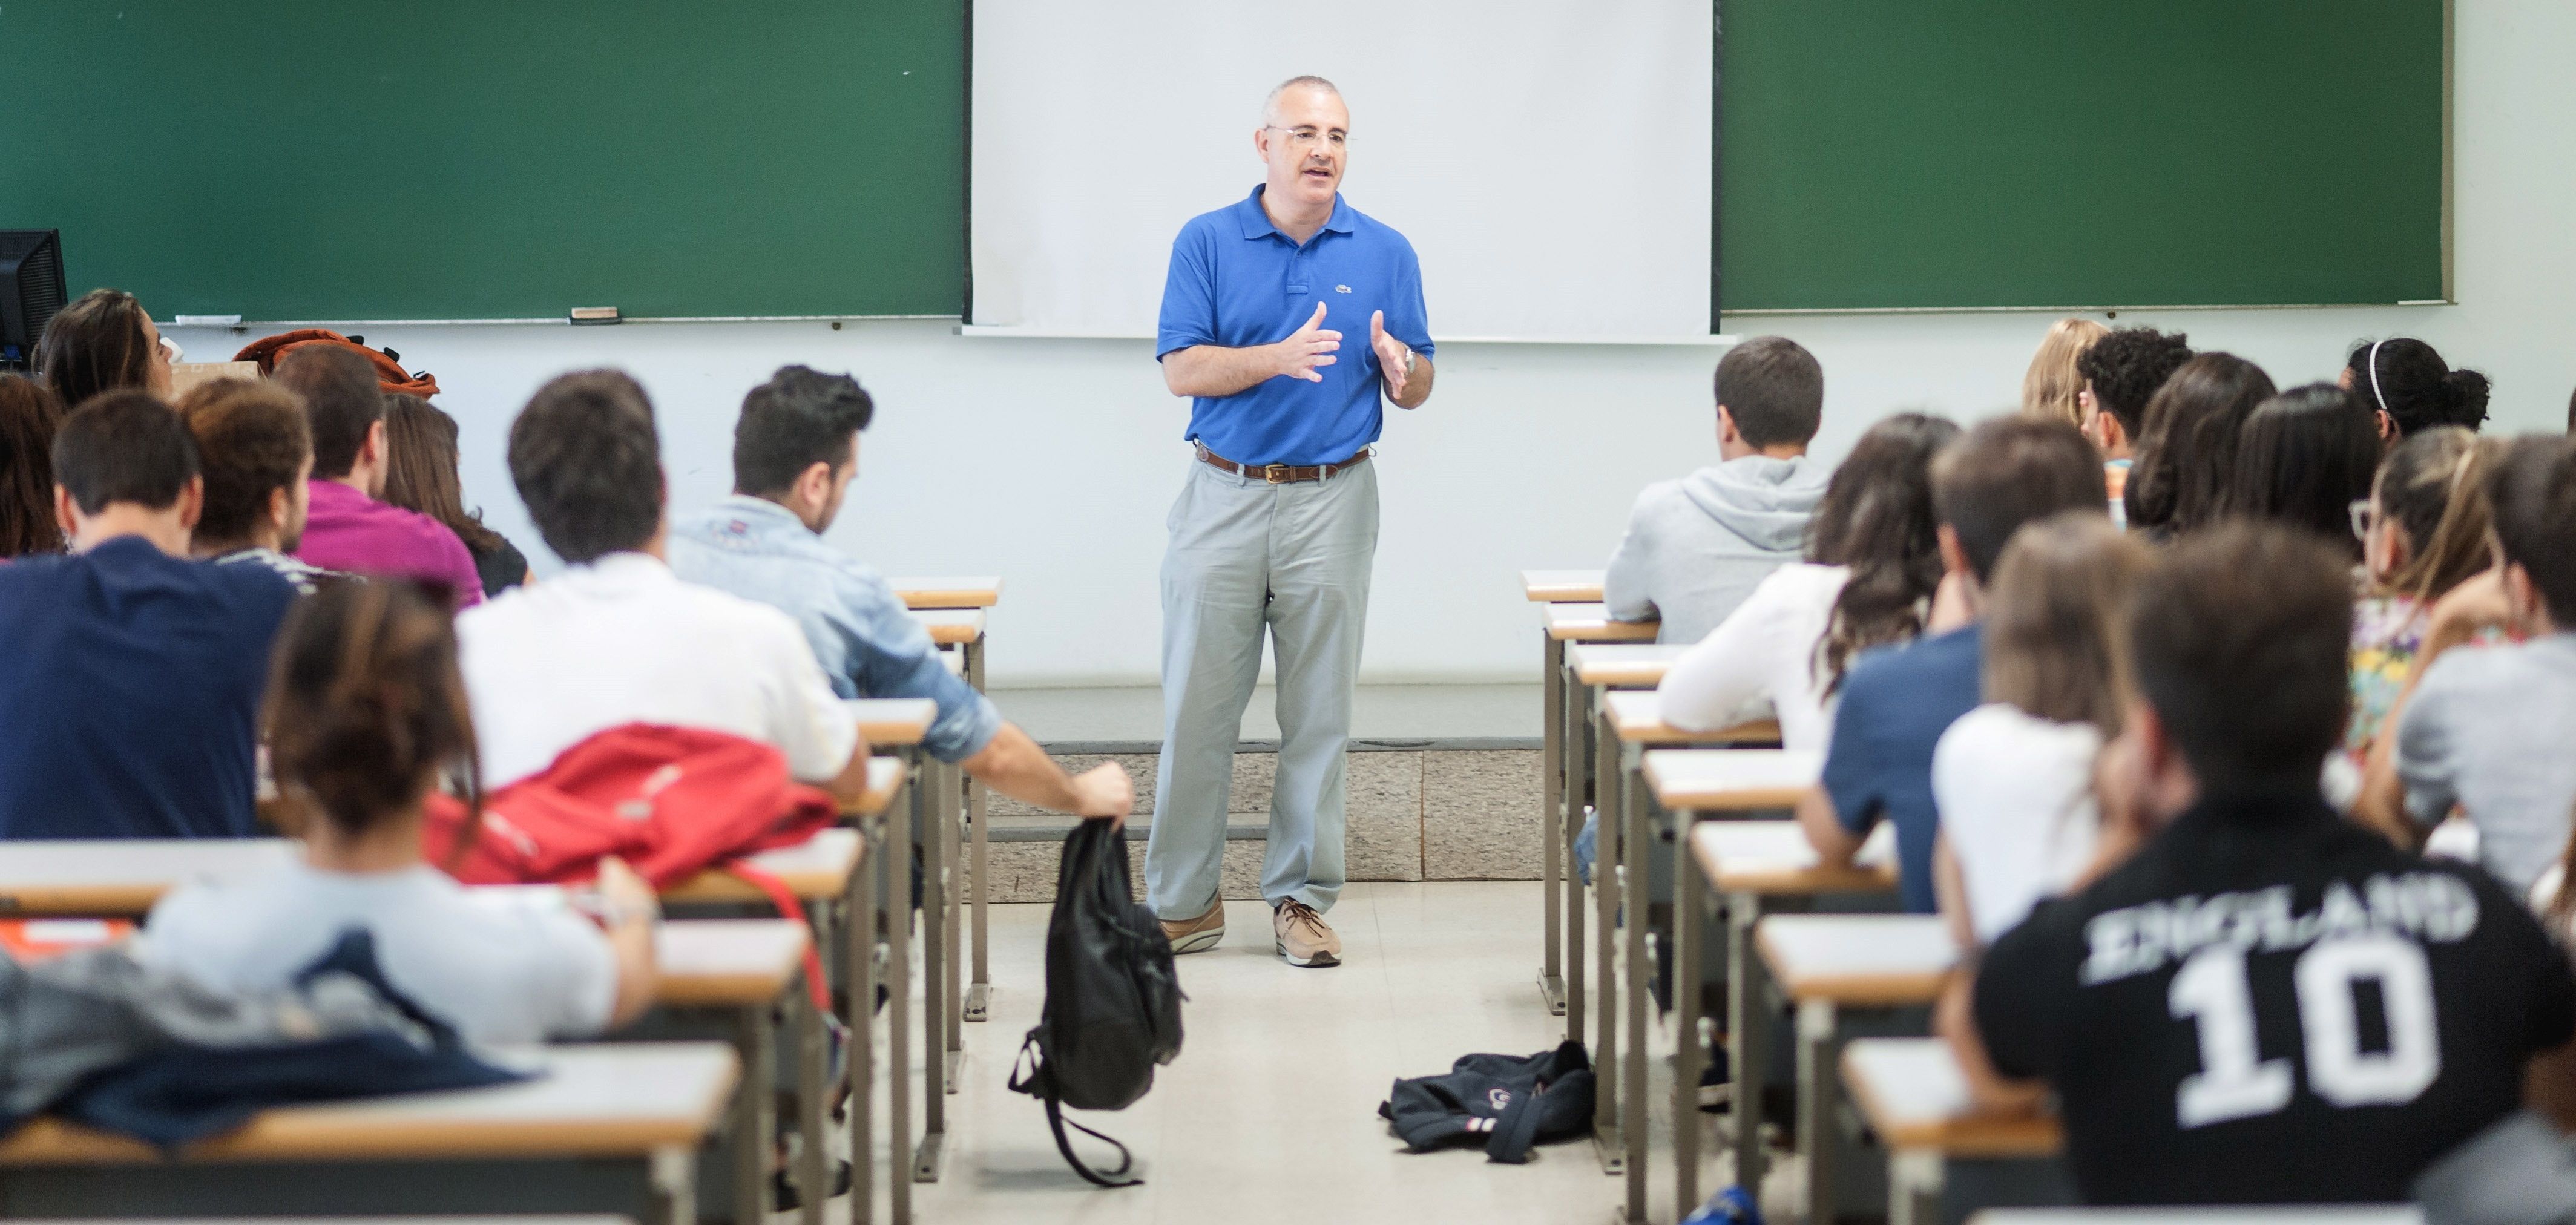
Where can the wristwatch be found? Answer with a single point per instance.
(1408, 361)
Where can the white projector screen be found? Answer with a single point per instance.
(1550, 161)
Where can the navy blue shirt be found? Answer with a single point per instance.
(129, 691)
(1237, 282)
(1895, 705)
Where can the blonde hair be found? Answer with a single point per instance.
(2056, 641)
(2048, 389)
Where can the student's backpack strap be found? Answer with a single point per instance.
(1029, 1076)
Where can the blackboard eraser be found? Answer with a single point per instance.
(206, 321)
(595, 314)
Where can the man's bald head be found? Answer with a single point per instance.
(1270, 105)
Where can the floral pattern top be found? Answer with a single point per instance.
(2387, 631)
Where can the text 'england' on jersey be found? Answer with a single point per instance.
(2271, 1004)
(1236, 282)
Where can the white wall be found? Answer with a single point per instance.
(1051, 462)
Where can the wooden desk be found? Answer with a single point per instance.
(1637, 715)
(925, 593)
(951, 627)
(1622, 665)
(721, 978)
(2267, 1214)
(956, 852)
(610, 1128)
(122, 878)
(1755, 865)
(1915, 1098)
(726, 963)
(1593, 623)
(815, 870)
(1829, 966)
(893, 723)
(1562, 586)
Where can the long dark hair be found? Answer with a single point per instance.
(96, 344)
(366, 708)
(420, 469)
(1876, 518)
(29, 415)
(2305, 457)
(2404, 378)
(2188, 451)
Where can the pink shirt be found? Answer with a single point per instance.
(347, 530)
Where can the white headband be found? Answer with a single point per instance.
(2372, 361)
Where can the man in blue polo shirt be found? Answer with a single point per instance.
(131, 681)
(1276, 526)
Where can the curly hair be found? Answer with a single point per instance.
(2127, 366)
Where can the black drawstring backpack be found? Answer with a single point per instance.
(1513, 1101)
(1113, 1005)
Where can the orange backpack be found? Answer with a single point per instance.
(388, 363)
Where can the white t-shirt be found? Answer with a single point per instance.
(623, 640)
(1764, 651)
(501, 969)
(2015, 794)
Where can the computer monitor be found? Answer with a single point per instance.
(32, 291)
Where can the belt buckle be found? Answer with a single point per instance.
(1276, 474)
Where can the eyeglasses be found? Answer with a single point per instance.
(1305, 138)
(2363, 518)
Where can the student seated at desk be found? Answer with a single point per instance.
(2122, 372)
(1896, 702)
(365, 713)
(1873, 560)
(257, 454)
(131, 675)
(2264, 1002)
(2052, 389)
(2486, 729)
(2307, 455)
(348, 527)
(2423, 533)
(795, 454)
(421, 476)
(2412, 388)
(103, 341)
(617, 638)
(2013, 779)
(2188, 453)
(1696, 547)
(29, 415)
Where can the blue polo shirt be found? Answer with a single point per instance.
(129, 692)
(1236, 282)
(1896, 703)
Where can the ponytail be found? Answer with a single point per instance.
(2404, 378)
(366, 708)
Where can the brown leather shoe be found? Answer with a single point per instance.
(1303, 939)
(1197, 935)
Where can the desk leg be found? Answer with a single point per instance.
(979, 993)
(859, 936)
(934, 970)
(1639, 891)
(1551, 781)
(1818, 1104)
(1574, 731)
(1747, 1014)
(755, 1140)
(898, 910)
(813, 1085)
(1687, 1055)
(953, 951)
(1607, 890)
(1914, 1188)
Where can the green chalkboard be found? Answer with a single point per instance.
(1891, 154)
(478, 159)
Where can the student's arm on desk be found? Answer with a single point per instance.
(1955, 1018)
(1711, 684)
(633, 913)
(1835, 846)
(1014, 765)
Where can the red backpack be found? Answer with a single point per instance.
(670, 801)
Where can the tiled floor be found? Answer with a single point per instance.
(1269, 1114)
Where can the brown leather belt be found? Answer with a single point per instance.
(1280, 474)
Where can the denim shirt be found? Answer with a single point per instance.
(868, 644)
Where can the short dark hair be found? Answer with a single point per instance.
(1774, 389)
(2306, 455)
(2532, 491)
(251, 441)
(2239, 639)
(96, 345)
(799, 418)
(588, 463)
(2127, 366)
(2009, 471)
(124, 446)
(342, 401)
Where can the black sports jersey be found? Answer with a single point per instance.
(2269, 1004)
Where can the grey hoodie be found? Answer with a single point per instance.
(1697, 546)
